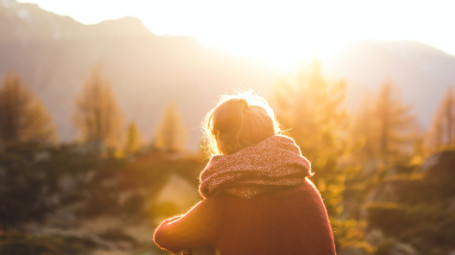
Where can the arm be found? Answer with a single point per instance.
(195, 228)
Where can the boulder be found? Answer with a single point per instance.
(440, 166)
(393, 247)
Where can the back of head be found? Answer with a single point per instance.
(239, 121)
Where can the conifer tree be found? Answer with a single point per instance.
(98, 115)
(442, 132)
(394, 122)
(386, 127)
(363, 129)
(171, 135)
(310, 110)
(23, 118)
(133, 139)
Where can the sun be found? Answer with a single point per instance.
(282, 34)
(283, 51)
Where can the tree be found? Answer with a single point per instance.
(311, 111)
(98, 115)
(442, 131)
(385, 127)
(23, 118)
(385, 132)
(171, 133)
(133, 139)
(394, 122)
(363, 131)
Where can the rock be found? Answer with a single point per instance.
(433, 181)
(88, 177)
(52, 200)
(109, 183)
(440, 165)
(42, 156)
(66, 184)
(375, 237)
(393, 247)
(385, 191)
(132, 202)
(439, 171)
(429, 163)
(405, 249)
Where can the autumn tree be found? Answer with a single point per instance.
(133, 139)
(98, 115)
(23, 118)
(389, 131)
(395, 123)
(171, 135)
(363, 130)
(442, 131)
(311, 111)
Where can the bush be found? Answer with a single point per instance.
(392, 218)
(350, 234)
(422, 226)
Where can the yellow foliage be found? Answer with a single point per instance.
(23, 117)
(98, 116)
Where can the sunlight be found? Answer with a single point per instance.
(282, 53)
(283, 33)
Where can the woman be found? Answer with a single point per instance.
(257, 195)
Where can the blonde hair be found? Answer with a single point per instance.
(238, 121)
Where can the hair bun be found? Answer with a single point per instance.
(239, 121)
(244, 104)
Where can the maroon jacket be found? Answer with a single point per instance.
(292, 221)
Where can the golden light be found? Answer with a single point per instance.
(283, 33)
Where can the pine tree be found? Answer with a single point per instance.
(171, 134)
(395, 124)
(98, 115)
(23, 118)
(363, 129)
(387, 130)
(310, 110)
(133, 139)
(442, 132)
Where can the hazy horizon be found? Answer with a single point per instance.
(297, 31)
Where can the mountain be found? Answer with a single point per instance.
(55, 55)
(421, 73)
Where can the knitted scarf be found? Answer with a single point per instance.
(273, 164)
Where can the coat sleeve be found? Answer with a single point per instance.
(195, 228)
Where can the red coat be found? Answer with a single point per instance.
(292, 221)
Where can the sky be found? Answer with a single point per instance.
(282, 31)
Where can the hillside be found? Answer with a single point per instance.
(421, 72)
(55, 55)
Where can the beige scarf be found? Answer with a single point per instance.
(273, 164)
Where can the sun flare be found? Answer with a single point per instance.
(280, 34)
(283, 33)
(282, 52)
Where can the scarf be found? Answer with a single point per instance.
(273, 164)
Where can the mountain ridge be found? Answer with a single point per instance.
(148, 71)
(422, 73)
